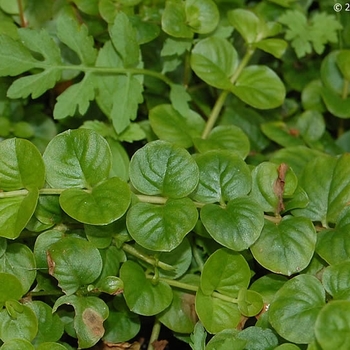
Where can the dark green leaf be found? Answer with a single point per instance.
(342, 59)
(11, 288)
(90, 313)
(286, 248)
(336, 280)
(259, 87)
(74, 262)
(258, 338)
(225, 340)
(77, 158)
(332, 326)
(214, 60)
(223, 176)
(335, 104)
(155, 297)
(236, 226)
(161, 168)
(161, 227)
(294, 310)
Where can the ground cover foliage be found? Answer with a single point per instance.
(182, 163)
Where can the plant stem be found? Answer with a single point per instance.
(214, 115)
(21, 14)
(154, 334)
(148, 259)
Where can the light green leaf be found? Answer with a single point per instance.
(202, 15)
(90, 313)
(105, 203)
(19, 261)
(260, 87)
(17, 321)
(294, 310)
(155, 297)
(174, 20)
(51, 346)
(74, 262)
(76, 37)
(275, 47)
(236, 226)
(225, 340)
(258, 338)
(214, 60)
(14, 57)
(286, 248)
(198, 337)
(223, 176)
(332, 326)
(247, 24)
(228, 137)
(123, 37)
(127, 96)
(335, 104)
(161, 168)
(331, 75)
(161, 227)
(250, 303)
(179, 98)
(168, 124)
(18, 344)
(75, 98)
(50, 326)
(77, 158)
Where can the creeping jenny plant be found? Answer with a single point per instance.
(194, 174)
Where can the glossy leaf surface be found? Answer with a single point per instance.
(161, 227)
(161, 168)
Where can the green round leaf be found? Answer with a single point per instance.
(181, 316)
(236, 226)
(343, 59)
(295, 308)
(18, 344)
(10, 288)
(202, 15)
(50, 326)
(21, 165)
(259, 87)
(51, 346)
(90, 313)
(311, 96)
(174, 20)
(74, 262)
(287, 346)
(227, 137)
(258, 338)
(161, 227)
(234, 273)
(216, 314)
(77, 158)
(19, 260)
(22, 325)
(336, 280)
(250, 303)
(287, 247)
(331, 75)
(223, 176)
(214, 60)
(161, 168)
(247, 24)
(168, 124)
(275, 47)
(105, 203)
(332, 326)
(336, 104)
(226, 340)
(155, 297)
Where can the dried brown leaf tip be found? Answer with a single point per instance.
(279, 185)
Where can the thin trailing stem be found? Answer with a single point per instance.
(146, 258)
(155, 334)
(214, 115)
(21, 13)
